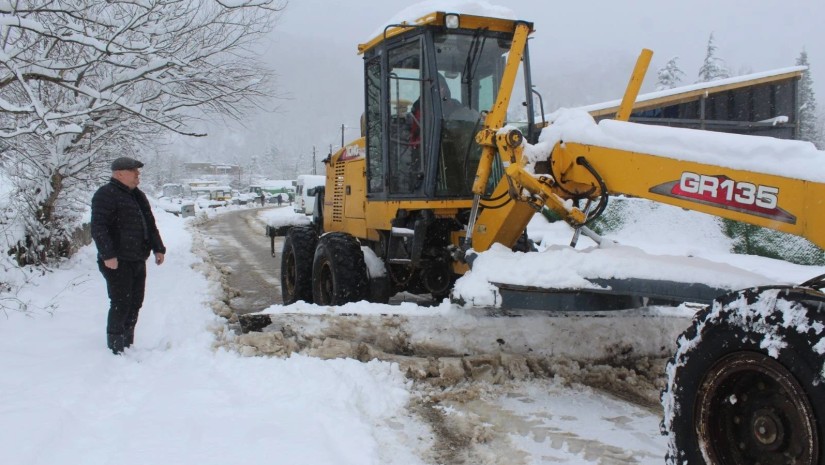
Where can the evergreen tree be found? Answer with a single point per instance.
(713, 67)
(809, 127)
(669, 76)
(755, 240)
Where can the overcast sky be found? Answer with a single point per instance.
(582, 52)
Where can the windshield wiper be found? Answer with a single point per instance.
(471, 63)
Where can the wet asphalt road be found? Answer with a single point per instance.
(238, 245)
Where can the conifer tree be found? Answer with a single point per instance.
(713, 67)
(670, 75)
(809, 128)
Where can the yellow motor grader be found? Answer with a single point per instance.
(440, 174)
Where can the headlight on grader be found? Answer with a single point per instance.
(451, 21)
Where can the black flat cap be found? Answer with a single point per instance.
(125, 163)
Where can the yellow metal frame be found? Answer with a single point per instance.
(789, 205)
(437, 19)
(799, 203)
(626, 107)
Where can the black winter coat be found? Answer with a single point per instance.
(122, 223)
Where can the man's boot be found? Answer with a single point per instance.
(115, 343)
(129, 337)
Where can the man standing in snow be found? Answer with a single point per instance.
(124, 232)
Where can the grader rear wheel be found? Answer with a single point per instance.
(339, 273)
(296, 264)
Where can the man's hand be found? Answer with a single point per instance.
(111, 263)
(159, 258)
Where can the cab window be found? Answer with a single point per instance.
(375, 157)
(406, 121)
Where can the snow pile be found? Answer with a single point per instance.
(174, 205)
(280, 217)
(657, 241)
(366, 308)
(561, 266)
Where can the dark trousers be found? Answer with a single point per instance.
(125, 286)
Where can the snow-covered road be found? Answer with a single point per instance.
(541, 421)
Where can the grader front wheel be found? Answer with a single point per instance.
(745, 385)
(751, 409)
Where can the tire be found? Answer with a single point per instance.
(339, 274)
(438, 280)
(746, 382)
(296, 264)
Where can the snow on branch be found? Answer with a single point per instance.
(84, 80)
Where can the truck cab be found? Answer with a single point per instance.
(305, 186)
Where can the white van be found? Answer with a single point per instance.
(305, 203)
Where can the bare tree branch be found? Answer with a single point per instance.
(84, 80)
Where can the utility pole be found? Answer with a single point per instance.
(314, 169)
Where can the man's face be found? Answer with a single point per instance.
(131, 178)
